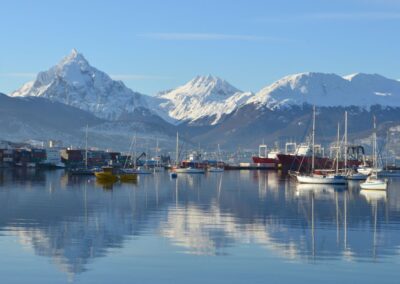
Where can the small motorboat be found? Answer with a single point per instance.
(107, 174)
(173, 175)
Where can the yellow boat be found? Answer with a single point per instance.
(107, 174)
(126, 177)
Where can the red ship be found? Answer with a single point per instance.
(269, 160)
(303, 162)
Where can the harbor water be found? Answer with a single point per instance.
(230, 227)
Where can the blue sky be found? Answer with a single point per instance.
(154, 45)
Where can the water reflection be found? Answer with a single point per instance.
(74, 220)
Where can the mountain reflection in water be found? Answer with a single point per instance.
(75, 220)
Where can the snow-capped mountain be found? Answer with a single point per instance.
(281, 111)
(208, 109)
(208, 99)
(75, 82)
(203, 96)
(324, 89)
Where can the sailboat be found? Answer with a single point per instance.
(144, 170)
(373, 182)
(217, 169)
(180, 170)
(127, 174)
(351, 174)
(83, 170)
(157, 166)
(314, 178)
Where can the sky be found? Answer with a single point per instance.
(154, 45)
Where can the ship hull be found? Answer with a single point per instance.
(262, 160)
(303, 163)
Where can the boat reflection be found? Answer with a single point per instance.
(372, 196)
(319, 191)
(73, 222)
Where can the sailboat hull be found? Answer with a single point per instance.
(356, 176)
(374, 185)
(321, 179)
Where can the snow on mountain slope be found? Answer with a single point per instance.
(74, 82)
(324, 89)
(202, 96)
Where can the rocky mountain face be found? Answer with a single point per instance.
(35, 118)
(250, 125)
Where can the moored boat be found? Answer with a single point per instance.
(268, 160)
(107, 174)
(355, 176)
(320, 176)
(373, 182)
(126, 175)
(321, 179)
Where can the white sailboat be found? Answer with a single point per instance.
(373, 182)
(313, 178)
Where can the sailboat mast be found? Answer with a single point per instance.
(157, 160)
(86, 146)
(134, 151)
(177, 149)
(337, 148)
(374, 155)
(313, 142)
(345, 140)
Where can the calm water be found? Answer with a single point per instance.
(235, 227)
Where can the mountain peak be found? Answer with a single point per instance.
(73, 81)
(73, 57)
(208, 86)
(204, 95)
(74, 52)
(206, 78)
